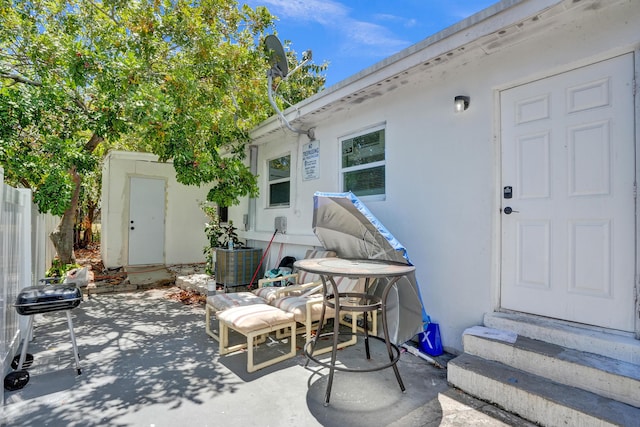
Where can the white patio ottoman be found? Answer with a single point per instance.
(223, 301)
(253, 321)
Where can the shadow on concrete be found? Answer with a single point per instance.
(146, 360)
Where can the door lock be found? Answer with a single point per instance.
(508, 210)
(507, 192)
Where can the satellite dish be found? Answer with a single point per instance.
(280, 68)
(277, 57)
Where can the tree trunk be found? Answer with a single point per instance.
(62, 236)
(85, 224)
(92, 210)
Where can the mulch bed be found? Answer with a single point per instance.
(90, 257)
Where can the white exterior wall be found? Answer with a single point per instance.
(443, 169)
(184, 220)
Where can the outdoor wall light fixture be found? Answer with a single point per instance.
(460, 103)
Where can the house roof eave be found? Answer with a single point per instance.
(490, 29)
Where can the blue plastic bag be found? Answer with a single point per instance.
(278, 272)
(430, 341)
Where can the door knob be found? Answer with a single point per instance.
(508, 210)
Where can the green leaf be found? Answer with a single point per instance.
(184, 80)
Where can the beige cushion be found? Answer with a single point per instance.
(268, 293)
(297, 306)
(221, 302)
(254, 317)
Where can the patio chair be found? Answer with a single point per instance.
(372, 320)
(307, 308)
(302, 280)
(264, 294)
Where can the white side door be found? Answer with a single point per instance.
(568, 157)
(146, 221)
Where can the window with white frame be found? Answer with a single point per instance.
(363, 163)
(279, 181)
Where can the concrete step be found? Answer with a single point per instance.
(616, 345)
(598, 374)
(535, 398)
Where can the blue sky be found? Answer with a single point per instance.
(354, 34)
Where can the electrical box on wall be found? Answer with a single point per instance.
(281, 224)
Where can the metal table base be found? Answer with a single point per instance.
(364, 303)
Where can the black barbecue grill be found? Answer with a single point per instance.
(44, 299)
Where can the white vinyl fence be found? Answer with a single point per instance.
(24, 257)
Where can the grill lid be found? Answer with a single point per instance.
(46, 298)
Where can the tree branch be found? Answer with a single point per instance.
(19, 79)
(76, 100)
(93, 143)
(108, 15)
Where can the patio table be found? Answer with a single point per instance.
(356, 302)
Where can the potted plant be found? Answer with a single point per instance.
(227, 258)
(213, 231)
(229, 237)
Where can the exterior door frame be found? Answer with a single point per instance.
(497, 245)
(636, 95)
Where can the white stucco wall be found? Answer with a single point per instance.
(184, 220)
(443, 169)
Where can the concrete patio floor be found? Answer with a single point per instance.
(146, 361)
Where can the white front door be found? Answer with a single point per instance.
(146, 221)
(568, 164)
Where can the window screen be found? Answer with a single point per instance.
(363, 163)
(279, 181)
